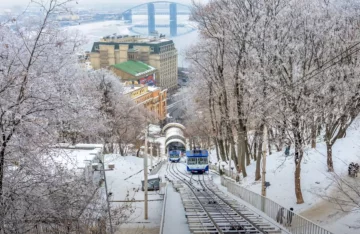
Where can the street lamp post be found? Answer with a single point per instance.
(151, 155)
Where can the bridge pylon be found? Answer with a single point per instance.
(173, 19)
(151, 18)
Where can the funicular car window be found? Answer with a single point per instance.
(202, 160)
(191, 161)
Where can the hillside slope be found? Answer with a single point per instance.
(314, 180)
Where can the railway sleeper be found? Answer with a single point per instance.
(206, 232)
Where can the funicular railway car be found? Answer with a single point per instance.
(197, 161)
(175, 151)
(174, 155)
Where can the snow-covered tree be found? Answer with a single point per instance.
(46, 98)
(288, 65)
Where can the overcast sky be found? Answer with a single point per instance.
(83, 3)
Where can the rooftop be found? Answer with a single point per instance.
(156, 44)
(129, 88)
(196, 153)
(135, 68)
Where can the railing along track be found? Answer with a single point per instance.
(208, 210)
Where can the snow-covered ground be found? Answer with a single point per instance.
(175, 221)
(314, 180)
(126, 179)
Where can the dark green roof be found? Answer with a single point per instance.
(134, 68)
(155, 45)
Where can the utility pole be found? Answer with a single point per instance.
(146, 174)
(151, 155)
(106, 191)
(263, 187)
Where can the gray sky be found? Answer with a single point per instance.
(84, 3)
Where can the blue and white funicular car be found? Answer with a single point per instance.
(174, 155)
(197, 161)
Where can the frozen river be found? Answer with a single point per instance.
(94, 31)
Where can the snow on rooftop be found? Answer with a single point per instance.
(154, 129)
(153, 88)
(75, 156)
(153, 41)
(128, 89)
(151, 177)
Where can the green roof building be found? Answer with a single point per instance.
(134, 68)
(137, 71)
(133, 58)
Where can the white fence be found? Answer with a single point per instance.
(292, 222)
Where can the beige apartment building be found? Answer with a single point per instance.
(159, 53)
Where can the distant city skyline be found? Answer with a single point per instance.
(90, 3)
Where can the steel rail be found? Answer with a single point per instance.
(229, 218)
(192, 188)
(239, 213)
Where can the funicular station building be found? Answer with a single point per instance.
(174, 137)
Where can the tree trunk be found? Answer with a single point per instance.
(137, 153)
(242, 151)
(319, 128)
(227, 150)
(298, 159)
(221, 149)
(283, 135)
(255, 144)
(234, 157)
(298, 193)
(121, 150)
(2, 166)
(270, 137)
(259, 152)
(111, 147)
(216, 148)
(313, 135)
(329, 160)
(247, 151)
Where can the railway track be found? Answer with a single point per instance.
(208, 210)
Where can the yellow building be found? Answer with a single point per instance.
(158, 53)
(152, 98)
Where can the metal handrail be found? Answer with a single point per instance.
(157, 168)
(292, 222)
(163, 212)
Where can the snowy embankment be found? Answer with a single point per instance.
(314, 180)
(124, 182)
